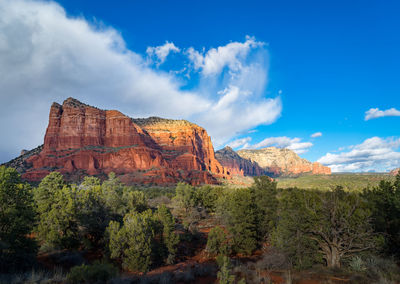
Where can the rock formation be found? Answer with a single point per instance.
(83, 140)
(282, 162)
(394, 172)
(237, 165)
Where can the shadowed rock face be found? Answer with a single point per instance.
(282, 162)
(83, 140)
(237, 165)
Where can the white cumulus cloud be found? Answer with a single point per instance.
(376, 113)
(161, 52)
(239, 142)
(316, 134)
(294, 144)
(380, 154)
(230, 55)
(46, 56)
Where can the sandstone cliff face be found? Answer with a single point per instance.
(394, 172)
(81, 140)
(282, 162)
(237, 165)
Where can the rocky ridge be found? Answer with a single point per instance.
(237, 165)
(84, 140)
(282, 161)
(394, 172)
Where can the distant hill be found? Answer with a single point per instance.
(283, 162)
(237, 165)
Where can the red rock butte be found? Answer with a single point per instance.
(83, 140)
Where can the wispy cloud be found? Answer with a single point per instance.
(161, 52)
(380, 154)
(242, 142)
(47, 56)
(316, 134)
(294, 144)
(376, 113)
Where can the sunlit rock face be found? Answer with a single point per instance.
(278, 162)
(394, 172)
(84, 140)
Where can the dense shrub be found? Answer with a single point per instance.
(217, 242)
(224, 274)
(185, 197)
(207, 196)
(95, 273)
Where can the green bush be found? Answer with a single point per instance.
(384, 270)
(94, 273)
(224, 274)
(357, 264)
(217, 242)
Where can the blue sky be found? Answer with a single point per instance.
(303, 66)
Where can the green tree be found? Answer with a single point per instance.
(185, 197)
(16, 221)
(112, 194)
(48, 187)
(93, 215)
(169, 238)
(207, 196)
(338, 223)
(224, 275)
(133, 243)
(134, 200)
(217, 242)
(264, 198)
(57, 212)
(238, 213)
(385, 205)
(289, 235)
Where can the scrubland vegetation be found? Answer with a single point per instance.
(349, 181)
(107, 232)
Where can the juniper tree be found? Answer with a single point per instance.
(169, 238)
(16, 221)
(133, 242)
(333, 225)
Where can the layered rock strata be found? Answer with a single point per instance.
(237, 165)
(282, 161)
(84, 140)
